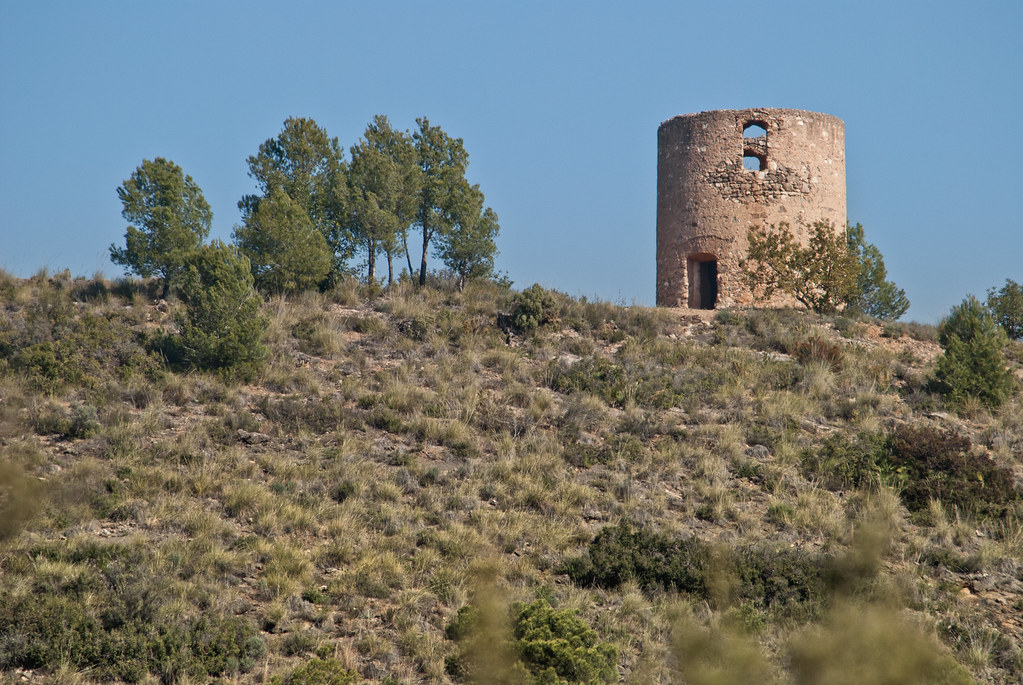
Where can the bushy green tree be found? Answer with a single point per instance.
(874, 295)
(308, 165)
(286, 253)
(821, 275)
(384, 182)
(1006, 305)
(442, 163)
(973, 364)
(223, 323)
(468, 247)
(168, 218)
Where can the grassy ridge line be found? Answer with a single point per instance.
(397, 444)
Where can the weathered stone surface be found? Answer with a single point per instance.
(707, 200)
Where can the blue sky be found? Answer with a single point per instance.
(558, 104)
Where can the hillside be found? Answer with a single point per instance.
(754, 496)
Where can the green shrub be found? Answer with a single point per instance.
(463, 624)
(223, 323)
(559, 647)
(341, 491)
(532, 308)
(788, 580)
(297, 642)
(53, 348)
(622, 553)
(554, 646)
(973, 365)
(844, 464)
(595, 375)
(921, 462)
(46, 631)
(78, 421)
(416, 328)
(933, 464)
(319, 672)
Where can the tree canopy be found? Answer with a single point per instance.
(442, 161)
(395, 181)
(286, 252)
(821, 276)
(168, 219)
(1006, 305)
(874, 295)
(308, 165)
(384, 183)
(468, 246)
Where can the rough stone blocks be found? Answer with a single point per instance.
(720, 172)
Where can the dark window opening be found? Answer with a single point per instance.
(754, 129)
(703, 281)
(753, 162)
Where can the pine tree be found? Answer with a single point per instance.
(309, 166)
(468, 247)
(223, 323)
(286, 253)
(874, 295)
(1006, 306)
(384, 183)
(168, 220)
(973, 364)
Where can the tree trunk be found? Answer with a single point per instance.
(422, 265)
(390, 269)
(372, 263)
(408, 257)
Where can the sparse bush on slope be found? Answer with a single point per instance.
(929, 463)
(921, 462)
(770, 578)
(624, 553)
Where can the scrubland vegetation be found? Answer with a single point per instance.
(445, 484)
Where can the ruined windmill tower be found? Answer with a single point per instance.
(720, 172)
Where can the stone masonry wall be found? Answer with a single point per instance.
(707, 200)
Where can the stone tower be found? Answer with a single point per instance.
(720, 172)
